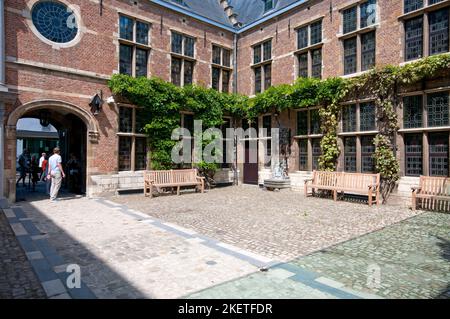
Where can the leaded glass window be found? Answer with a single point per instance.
(141, 62)
(188, 72)
(140, 154)
(268, 5)
(368, 13)
(367, 150)
(414, 38)
(141, 121)
(438, 144)
(303, 154)
(316, 32)
(413, 154)
(302, 123)
(188, 122)
(350, 19)
(125, 59)
(316, 152)
(367, 117)
(55, 21)
(267, 76)
(430, 2)
(177, 43)
(126, 28)
(316, 63)
(315, 121)
(303, 65)
(412, 5)
(412, 111)
(439, 40)
(267, 50)
(225, 81)
(176, 71)
(367, 51)
(216, 78)
(142, 32)
(258, 85)
(349, 118)
(133, 59)
(226, 57)
(124, 153)
(302, 37)
(257, 54)
(437, 107)
(125, 120)
(350, 154)
(350, 55)
(189, 46)
(216, 54)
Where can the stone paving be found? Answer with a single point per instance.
(410, 259)
(278, 225)
(124, 254)
(17, 279)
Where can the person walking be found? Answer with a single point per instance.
(34, 172)
(56, 172)
(24, 165)
(41, 162)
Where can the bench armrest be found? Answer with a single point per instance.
(200, 177)
(374, 186)
(306, 181)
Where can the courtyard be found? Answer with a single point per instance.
(234, 242)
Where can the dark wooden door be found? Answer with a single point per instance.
(250, 169)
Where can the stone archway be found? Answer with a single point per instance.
(11, 136)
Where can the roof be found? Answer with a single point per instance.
(248, 12)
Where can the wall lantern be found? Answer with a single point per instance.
(44, 118)
(96, 103)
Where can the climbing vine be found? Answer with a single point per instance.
(162, 103)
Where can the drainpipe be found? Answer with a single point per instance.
(2, 89)
(235, 78)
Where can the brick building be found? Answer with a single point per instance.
(56, 58)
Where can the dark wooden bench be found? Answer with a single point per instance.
(172, 178)
(433, 193)
(354, 183)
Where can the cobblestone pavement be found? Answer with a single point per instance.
(278, 225)
(17, 279)
(124, 254)
(410, 259)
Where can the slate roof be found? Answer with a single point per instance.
(248, 11)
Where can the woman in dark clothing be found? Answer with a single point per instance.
(34, 171)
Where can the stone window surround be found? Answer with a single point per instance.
(222, 67)
(309, 48)
(133, 135)
(424, 12)
(424, 130)
(308, 137)
(75, 9)
(261, 64)
(135, 45)
(358, 134)
(183, 57)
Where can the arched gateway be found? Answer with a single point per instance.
(60, 114)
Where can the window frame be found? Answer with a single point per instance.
(133, 135)
(310, 137)
(185, 59)
(222, 67)
(134, 45)
(309, 49)
(261, 65)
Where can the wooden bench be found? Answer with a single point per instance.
(172, 178)
(354, 183)
(433, 193)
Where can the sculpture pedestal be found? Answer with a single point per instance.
(276, 184)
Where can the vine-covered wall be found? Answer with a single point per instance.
(163, 102)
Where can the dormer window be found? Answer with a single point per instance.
(268, 5)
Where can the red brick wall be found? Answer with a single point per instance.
(284, 40)
(96, 53)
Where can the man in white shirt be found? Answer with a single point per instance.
(41, 160)
(56, 172)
